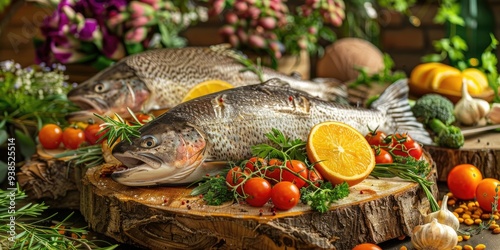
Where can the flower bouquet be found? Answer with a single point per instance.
(275, 29)
(102, 32)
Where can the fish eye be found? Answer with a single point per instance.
(148, 141)
(100, 87)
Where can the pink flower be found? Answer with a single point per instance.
(136, 35)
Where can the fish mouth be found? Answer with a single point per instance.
(133, 160)
(90, 104)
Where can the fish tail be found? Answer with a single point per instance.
(394, 103)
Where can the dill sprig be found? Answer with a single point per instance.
(33, 233)
(119, 128)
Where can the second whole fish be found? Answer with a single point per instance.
(200, 136)
(159, 79)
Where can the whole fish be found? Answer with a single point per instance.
(159, 79)
(200, 136)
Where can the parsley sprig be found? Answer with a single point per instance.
(320, 199)
(283, 147)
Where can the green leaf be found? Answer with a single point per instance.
(3, 136)
(432, 58)
(3, 171)
(26, 144)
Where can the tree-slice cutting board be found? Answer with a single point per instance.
(482, 151)
(376, 210)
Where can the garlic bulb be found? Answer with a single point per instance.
(444, 216)
(494, 114)
(468, 110)
(434, 236)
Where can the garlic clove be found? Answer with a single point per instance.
(494, 114)
(468, 110)
(444, 216)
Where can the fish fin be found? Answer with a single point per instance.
(393, 102)
(333, 90)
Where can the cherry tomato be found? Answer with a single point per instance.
(376, 138)
(298, 167)
(50, 136)
(462, 181)
(258, 191)
(274, 173)
(367, 246)
(486, 191)
(285, 195)
(404, 145)
(314, 176)
(382, 156)
(144, 118)
(255, 163)
(93, 134)
(72, 137)
(234, 177)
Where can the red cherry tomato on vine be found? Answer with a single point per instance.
(367, 246)
(297, 167)
(285, 195)
(255, 163)
(382, 156)
(234, 177)
(404, 145)
(376, 138)
(314, 176)
(50, 136)
(72, 137)
(258, 191)
(92, 134)
(274, 173)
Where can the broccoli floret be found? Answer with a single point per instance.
(446, 136)
(432, 106)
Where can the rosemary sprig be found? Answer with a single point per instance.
(411, 170)
(32, 233)
(89, 156)
(119, 129)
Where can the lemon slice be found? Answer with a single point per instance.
(479, 77)
(341, 153)
(205, 88)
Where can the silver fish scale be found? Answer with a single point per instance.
(171, 73)
(236, 121)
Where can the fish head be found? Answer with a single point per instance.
(163, 154)
(111, 91)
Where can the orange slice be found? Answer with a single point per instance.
(479, 77)
(340, 152)
(205, 88)
(420, 74)
(437, 74)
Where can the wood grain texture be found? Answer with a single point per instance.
(482, 151)
(168, 218)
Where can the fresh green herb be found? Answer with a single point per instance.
(408, 168)
(89, 156)
(120, 129)
(30, 98)
(214, 190)
(320, 199)
(33, 233)
(386, 75)
(284, 147)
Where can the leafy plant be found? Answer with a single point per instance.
(454, 47)
(28, 231)
(31, 97)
